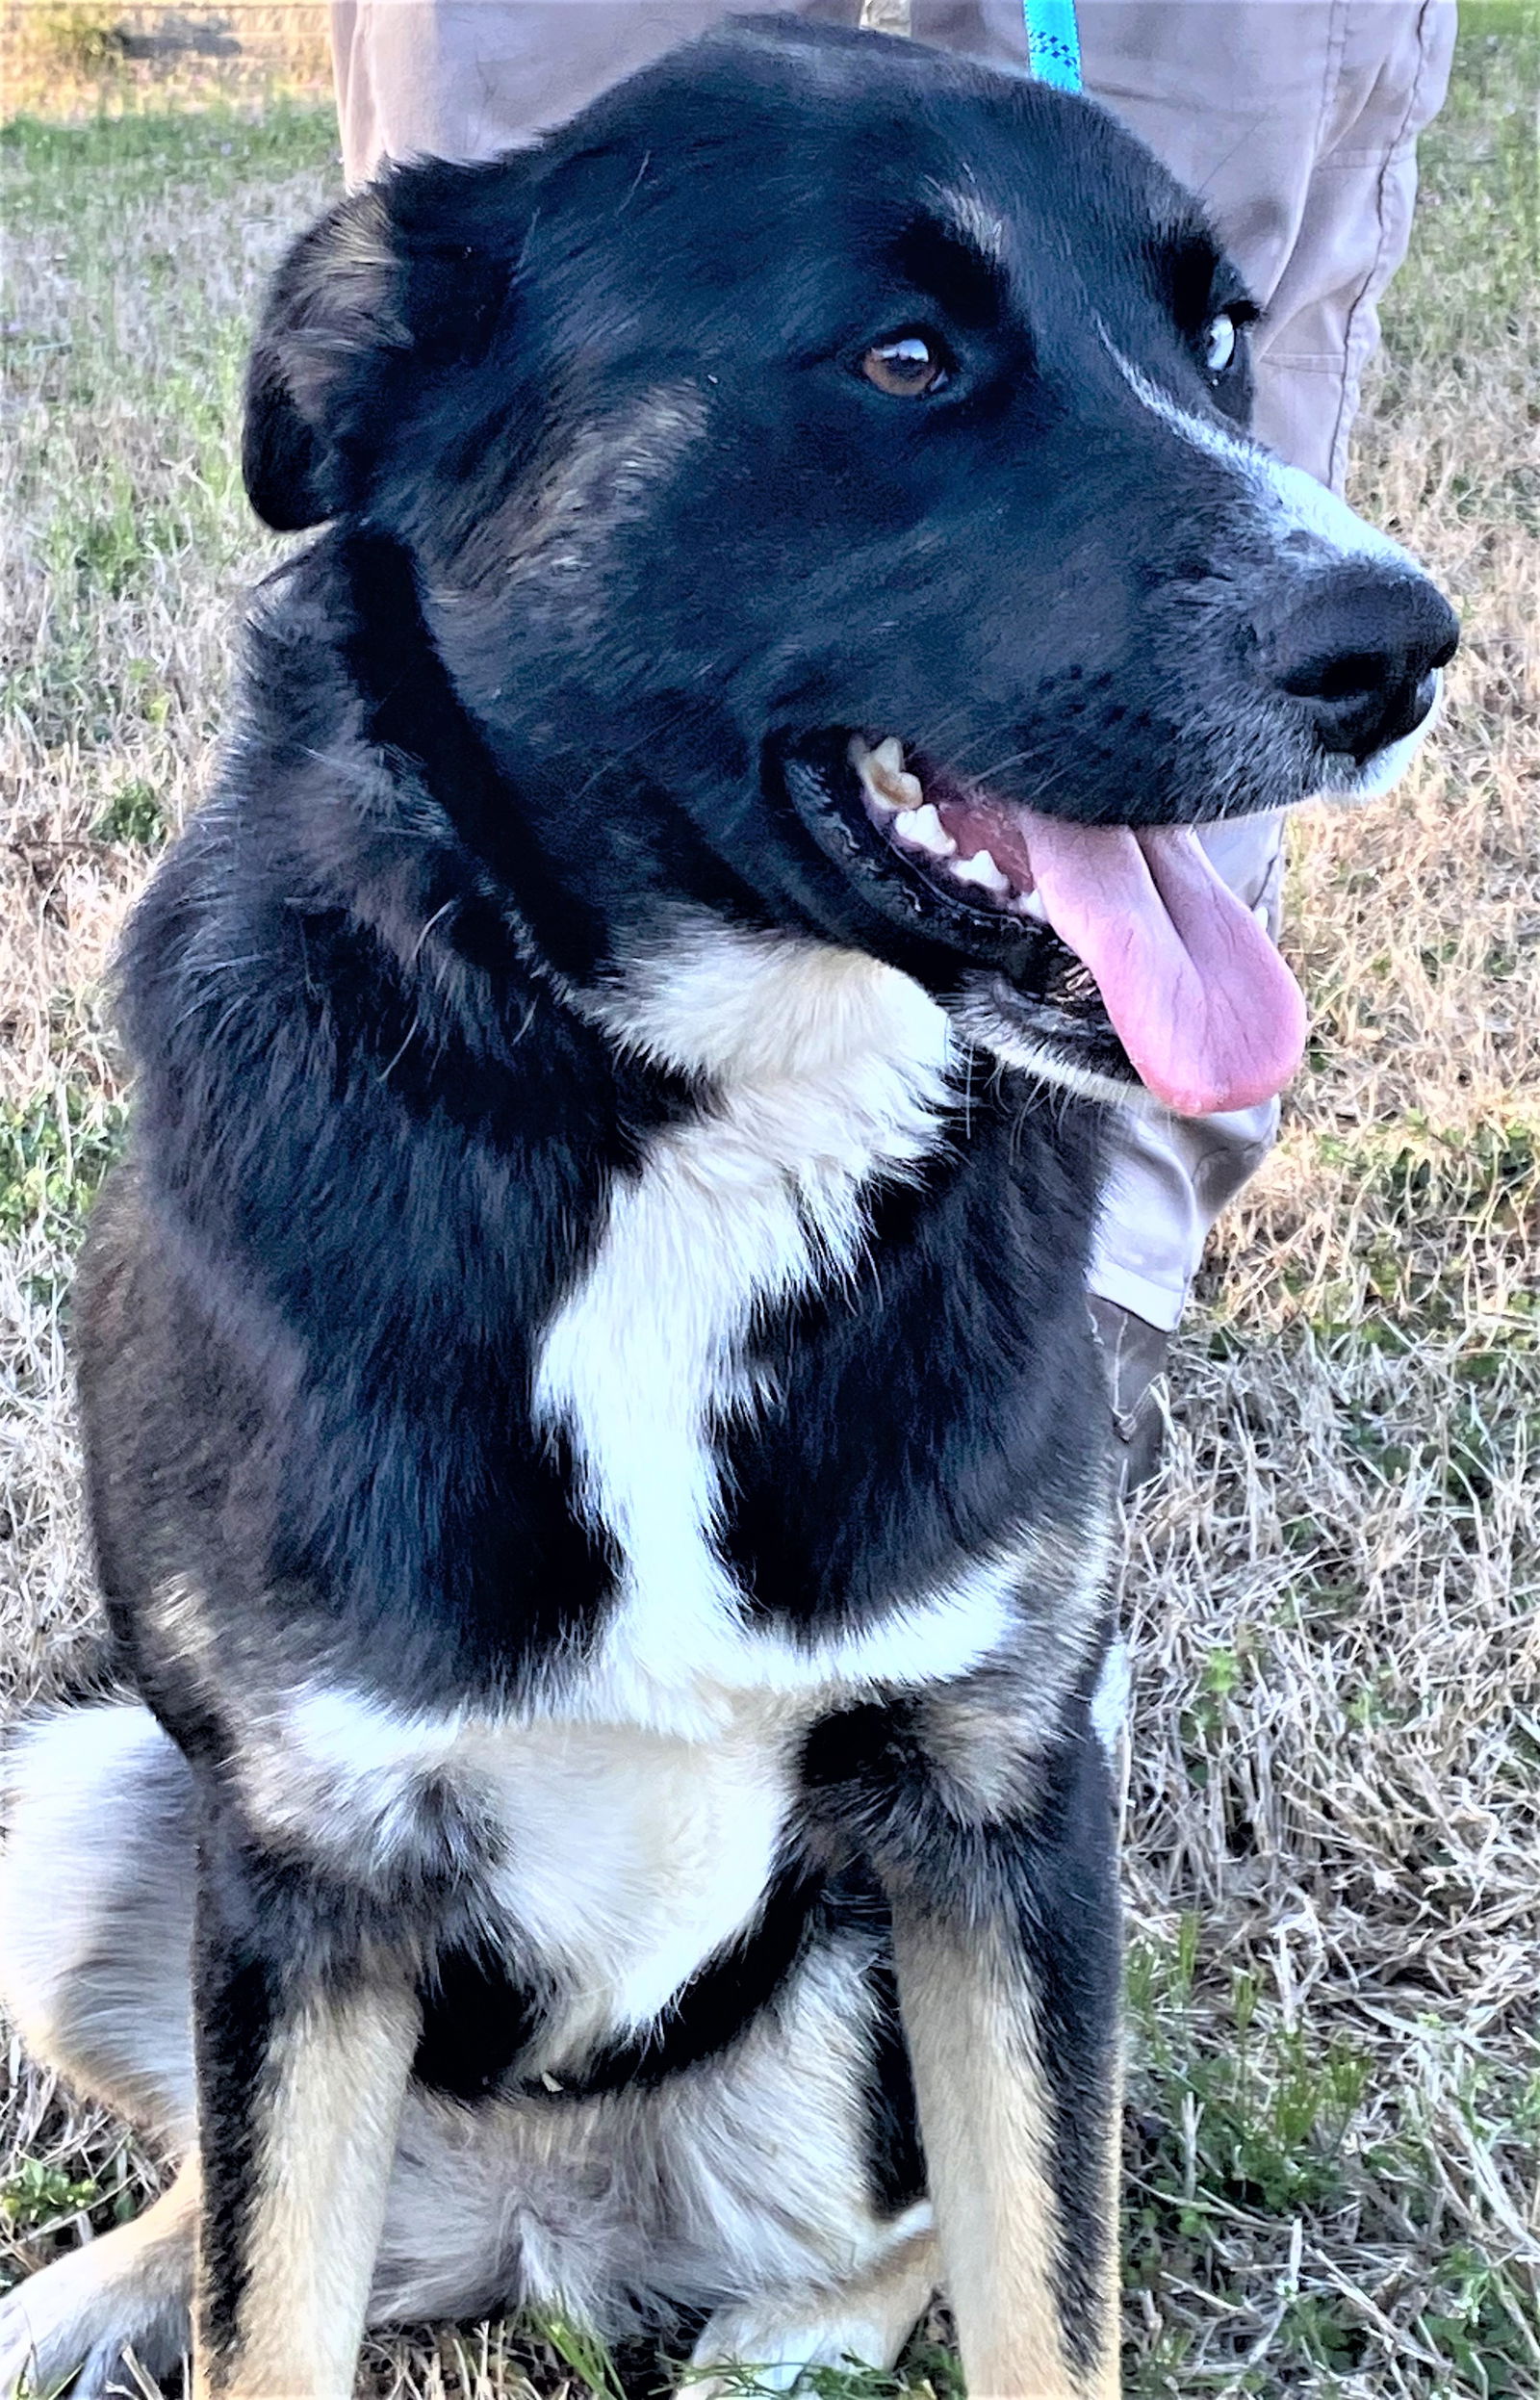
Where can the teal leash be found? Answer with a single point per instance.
(1053, 42)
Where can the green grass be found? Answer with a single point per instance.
(54, 1151)
(928, 2372)
(50, 169)
(135, 814)
(37, 2197)
(1480, 164)
(1237, 2118)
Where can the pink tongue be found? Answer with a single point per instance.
(1201, 1001)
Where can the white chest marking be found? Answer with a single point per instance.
(634, 1856)
(831, 1075)
(620, 1858)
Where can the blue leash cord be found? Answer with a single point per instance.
(1053, 42)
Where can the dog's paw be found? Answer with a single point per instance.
(744, 2353)
(770, 2346)
(79, 2325)
(751, 2354)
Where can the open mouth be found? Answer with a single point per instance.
(1119, 950)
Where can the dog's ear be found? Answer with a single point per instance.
(399, 277)
(335, 304)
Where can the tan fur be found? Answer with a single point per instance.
(343, 299)
(985, 2116)
(323, 2162)
(551, 537)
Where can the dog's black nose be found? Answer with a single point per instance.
(1359, 651)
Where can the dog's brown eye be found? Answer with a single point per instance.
(909, 368)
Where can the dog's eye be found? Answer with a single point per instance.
(911, 367)
(1218, 343)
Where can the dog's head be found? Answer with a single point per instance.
(823, 477)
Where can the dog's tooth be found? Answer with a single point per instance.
(923, 830)
(889, 776)
(1027, 904)
(864, 759)
(882, 777)
(982, 870)
(549, 2081)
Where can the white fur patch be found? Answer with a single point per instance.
(868, 2320)
(750, 2177)
(97, 1866)
(1286, 491)
(831, 1076)
(1112, 1699)
(633, 1808)
(620, 1857)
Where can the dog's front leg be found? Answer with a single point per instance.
(1007, 1943)
(304, 2041)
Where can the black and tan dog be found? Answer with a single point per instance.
(596, 1449)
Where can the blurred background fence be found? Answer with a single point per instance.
(87, 58)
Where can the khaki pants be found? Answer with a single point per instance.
(1297, 120)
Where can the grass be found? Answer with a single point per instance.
(78, 59)
(1334, 2112)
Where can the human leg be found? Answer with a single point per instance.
(468, 78)
(1297, 123)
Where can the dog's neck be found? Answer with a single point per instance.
(761, 1010)
(587, 841)
(688, 989)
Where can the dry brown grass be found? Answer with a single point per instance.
(1334, 1865)
(74, 59)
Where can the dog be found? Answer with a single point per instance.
(597, 1457)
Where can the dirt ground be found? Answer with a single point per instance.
(1334, 1859)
